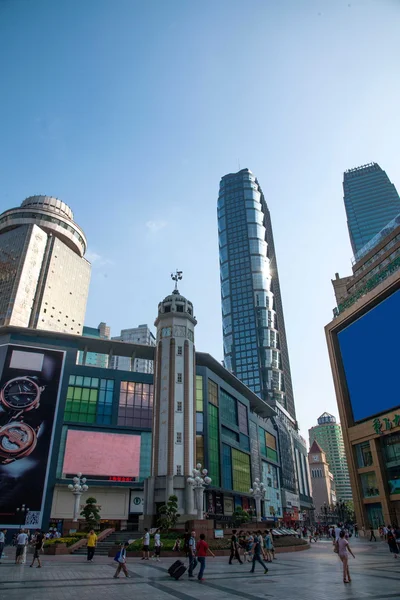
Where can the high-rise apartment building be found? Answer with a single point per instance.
(255, 346)
(371, 201)
(44, 277)
(135, 335)
(328, 434)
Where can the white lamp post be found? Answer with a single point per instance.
(77, 488)
(198, 481)
(258, 493)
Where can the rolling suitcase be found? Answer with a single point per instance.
(177, 569)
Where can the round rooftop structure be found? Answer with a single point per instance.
(50, 214)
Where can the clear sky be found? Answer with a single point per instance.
(131, 111)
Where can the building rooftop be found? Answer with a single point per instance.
(315, 447)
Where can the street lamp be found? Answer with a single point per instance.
(341, 509)
(198, 481)
(22, 511)
(258, 493)
(77, 488)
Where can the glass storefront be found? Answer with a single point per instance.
(369, 485)
(390, 445)
(374, 515)
(364, 455)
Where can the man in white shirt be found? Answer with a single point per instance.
(22, 541)
(146, 545)
(337, 532)
(157, 545)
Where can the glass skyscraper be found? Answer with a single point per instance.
(255, 347)
(370, 200)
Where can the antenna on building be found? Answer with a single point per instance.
(177, 276)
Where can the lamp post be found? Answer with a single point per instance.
(341, 509)
(198, 481)
(77, 488)
(22, 511)
(258, 493)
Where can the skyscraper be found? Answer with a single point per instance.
(94, 358)
(370, 200)
(135, 335)
(44, 277)
(329, 436)
(255, 347)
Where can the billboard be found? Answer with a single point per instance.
(29, 394)
(98, 455)
(369, 349)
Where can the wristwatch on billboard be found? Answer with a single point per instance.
(21, 394)
(17, 440)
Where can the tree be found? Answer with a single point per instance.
(240, 516)
(91, 513)
(168, 514)
(350, 514)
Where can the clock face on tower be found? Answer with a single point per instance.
(166, 332)
(315, 457)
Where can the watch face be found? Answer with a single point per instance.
(19, 393)
(16, 440)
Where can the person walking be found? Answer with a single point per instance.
(392, 543)
(201, 551)
(192, 553)
(91, 545)
(146, 545)
(2, 542)
(121, 560)
(343, 548)
(234, 548)
(37, 548)
(257, 549)
(355, 530)
(157, 546)
(268, 546)
(22, 540)
(372, 533)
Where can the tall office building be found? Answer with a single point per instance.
(135, 335)
(255, 346)
(328, 434)
(44, 277)
(370, 200)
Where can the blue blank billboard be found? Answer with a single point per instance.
(371, 359)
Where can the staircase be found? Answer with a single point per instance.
(105, 545)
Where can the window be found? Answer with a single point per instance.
(213, 445)
(179, 407)
(178, 437)
(135, 404)
(179, 378)
(228, 408)
(226, 467)
(199, 422)
(199, 393)
(179, 469)
(200, 449)
(369, 485)
(89, 400)
(364, 455)
(241, 471)
(179, 351)
(212, 392)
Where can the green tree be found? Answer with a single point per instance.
(349, 510)
(240, 516)
(91, 513)
(168, 514)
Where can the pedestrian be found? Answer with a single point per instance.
(372, 534)
(273, 547)
(257, 549)
(22, 540)
(37, 548)
(157, 546)
(146, 544)
(249, 547)
(177, 545)
(338, 529)
(121, 560)
(192, 553)
(355, 530)
(234, 548)
(201, 551)
(343, 549)
(268, 546)
(91, 545)
(392, 543)
(186, 539)
(2, 541)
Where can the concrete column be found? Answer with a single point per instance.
(189, 500)
(169, 488)
(149, 508)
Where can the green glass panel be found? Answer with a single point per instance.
(77, 393)
(85, 394)
(93, 395)
(70, 393)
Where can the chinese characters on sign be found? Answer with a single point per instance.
(387, 424)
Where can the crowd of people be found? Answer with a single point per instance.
(21, 541)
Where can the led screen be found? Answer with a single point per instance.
(370, 354)
(94, 453)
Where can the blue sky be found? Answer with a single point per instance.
(132, 111)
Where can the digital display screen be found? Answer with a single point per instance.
(95, 453)
(370, 354)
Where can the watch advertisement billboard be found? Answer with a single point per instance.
(29, 396)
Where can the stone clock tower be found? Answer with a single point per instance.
(174, 410)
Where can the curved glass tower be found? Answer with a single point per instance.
(255, 347)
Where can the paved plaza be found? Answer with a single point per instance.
(311, 574)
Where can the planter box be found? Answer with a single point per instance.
(56, 549)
